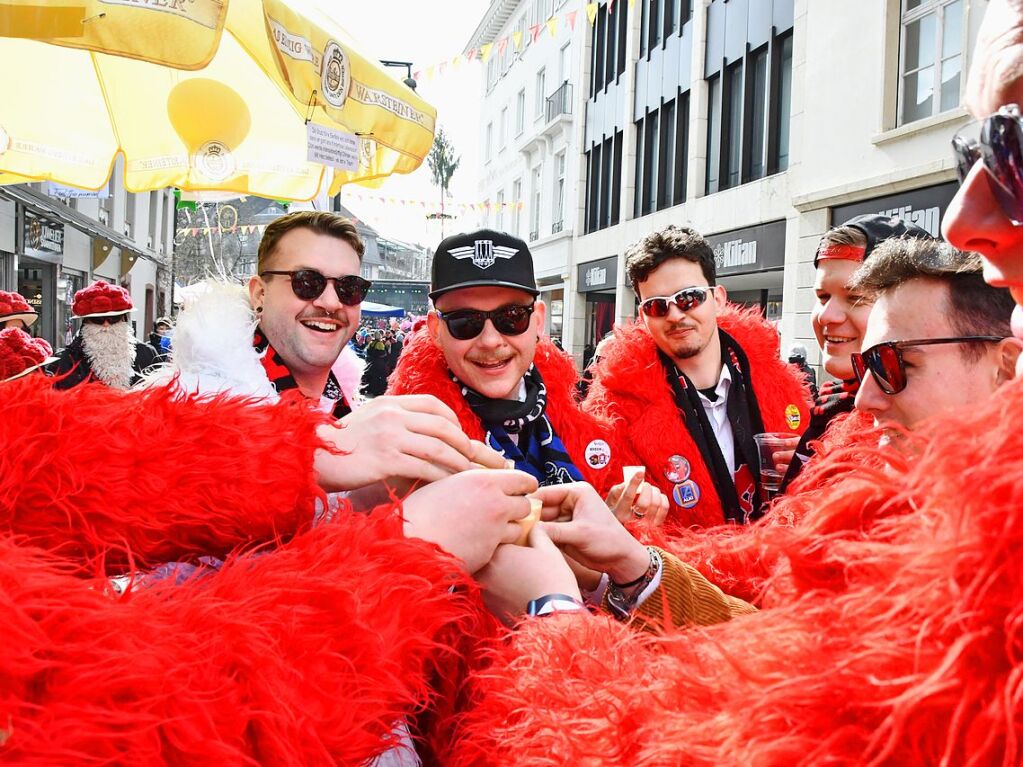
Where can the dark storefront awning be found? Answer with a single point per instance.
(47, 206)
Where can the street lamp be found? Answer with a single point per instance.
(409, 81)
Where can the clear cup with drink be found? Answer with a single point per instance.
(772, 465)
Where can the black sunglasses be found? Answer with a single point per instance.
(463, 324)
(686, 300)
(308, 284)
(885, 363)
(106, 320)
(998, 142)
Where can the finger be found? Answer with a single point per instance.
(558, 500)
(432, 425)
(561, 534)
(410, 467)
(418, 403)
(486, 457)
(662, 510)
(615, 494)
(512, 481)
(644, 497)
(632, 487)
(783, 458)
(434, 451)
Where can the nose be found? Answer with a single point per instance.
(870, 398)
(328, 300)
(832, 313)
(489, 337)
(975, 221)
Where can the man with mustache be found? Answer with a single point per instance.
(484, 355)
(691, 383)
(104, 349)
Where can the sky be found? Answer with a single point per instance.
(423, 33)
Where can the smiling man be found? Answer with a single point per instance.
(691, 383)
(937, 338)
(307, 296)
(484, 355)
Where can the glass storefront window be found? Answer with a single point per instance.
(69, 283)
(35, 283)
(555, 313)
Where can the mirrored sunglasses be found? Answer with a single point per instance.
(686, 300)
(884, 361)
(997, 141)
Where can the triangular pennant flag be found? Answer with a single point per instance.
(502, 46)
(534, 32)
(485, 52)
(517, 39)
(442, 66)
(552, 26)
(456, 61)
(417, 76)
(570, 17)
(610, 5)
(470, 54)
(591, 12)
(429, 72)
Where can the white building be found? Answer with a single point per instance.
(55, 240)
(761, 123)
(529, 136)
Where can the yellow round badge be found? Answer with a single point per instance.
(792, 417)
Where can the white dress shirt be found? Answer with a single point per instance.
(717, 414)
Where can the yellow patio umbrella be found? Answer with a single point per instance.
(237, 123)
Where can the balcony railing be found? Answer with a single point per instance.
(557, 226)
(534, 236)
(560, 102)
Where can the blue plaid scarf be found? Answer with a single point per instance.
(539, 451)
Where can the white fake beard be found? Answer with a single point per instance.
(110, 350)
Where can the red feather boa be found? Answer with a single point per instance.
(306, 654)
(895, 635)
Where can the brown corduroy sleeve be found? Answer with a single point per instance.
(685, 598)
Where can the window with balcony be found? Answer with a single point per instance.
(931, 58)
(534, 209)
(560, 102)
(520, 112)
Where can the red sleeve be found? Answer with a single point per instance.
(148, 478)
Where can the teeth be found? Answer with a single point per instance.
(320, 325)
(837, 340)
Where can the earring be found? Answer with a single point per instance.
(259, 310)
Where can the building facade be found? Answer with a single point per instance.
(529, 136)
(56, 240)
(760, 123)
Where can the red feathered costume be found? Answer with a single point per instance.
(422, 370)
(306, 652)
(896, 638)
(631, 392)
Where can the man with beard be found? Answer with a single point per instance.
(689, 385)
(104, 349)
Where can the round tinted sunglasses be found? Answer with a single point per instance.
(998, 142)
(464, 324)
(686, 300)
(885, 363)
(308, 284)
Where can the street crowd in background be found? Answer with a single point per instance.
(279, 534)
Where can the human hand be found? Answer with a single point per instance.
(782, 458)
(470, 514)
(516, 575)
(591, 535)
(414, 437)
(636, 498)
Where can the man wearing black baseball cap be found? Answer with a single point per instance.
(483, 353)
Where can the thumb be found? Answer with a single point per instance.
(541, 541)
(558, 534)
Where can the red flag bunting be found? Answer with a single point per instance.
(571, 19)
(502, 45)
(534, 32)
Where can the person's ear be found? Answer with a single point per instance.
(720, 296)
(257, 292)
(1007, 352)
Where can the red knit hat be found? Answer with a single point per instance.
(101, 299)
(20, 353)
(13, 306)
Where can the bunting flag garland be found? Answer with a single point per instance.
(486, 51)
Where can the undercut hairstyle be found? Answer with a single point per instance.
(844, 235)
(973, 307)
(668, 244)
(321, 222)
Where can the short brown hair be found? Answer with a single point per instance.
(330, 224)
(974, 308)
(669, 243)
(844, 235)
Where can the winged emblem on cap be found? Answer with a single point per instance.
(484, 253)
